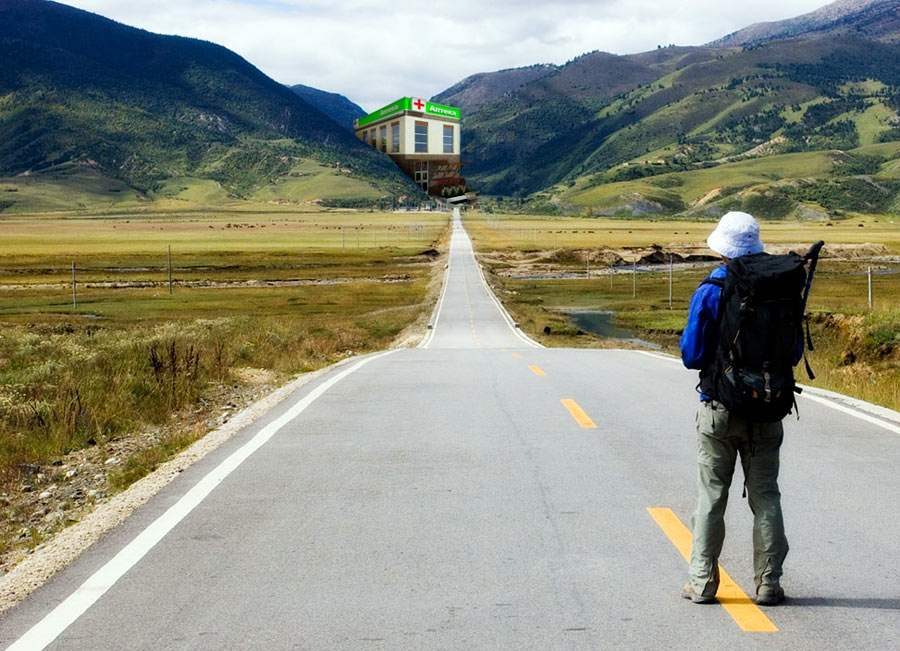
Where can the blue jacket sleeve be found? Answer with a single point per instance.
(698, 340)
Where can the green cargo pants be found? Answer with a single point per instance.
(721, 437)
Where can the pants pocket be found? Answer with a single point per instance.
(712, 419)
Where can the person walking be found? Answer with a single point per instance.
(723, 437)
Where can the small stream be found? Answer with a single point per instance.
(599, 322)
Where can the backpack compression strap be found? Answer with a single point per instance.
(812, 256)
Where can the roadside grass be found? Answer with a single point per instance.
(65, 379)
(857, 349)
(132, 358)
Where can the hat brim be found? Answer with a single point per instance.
(717, 242)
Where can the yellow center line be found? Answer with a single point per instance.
(578, 414)
(735, 601)
(537, 370)
(517, 355)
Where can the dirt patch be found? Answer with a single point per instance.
(254, 376)
(709, 196)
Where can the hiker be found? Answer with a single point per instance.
(723, 436)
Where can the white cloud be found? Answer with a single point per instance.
(374, 51)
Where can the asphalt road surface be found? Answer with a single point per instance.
(481, 492)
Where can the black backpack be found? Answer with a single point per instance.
(760, 334)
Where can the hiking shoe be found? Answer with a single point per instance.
(768, 596)
(687, 592)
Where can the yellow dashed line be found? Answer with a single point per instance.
(578, 414)
(537, 371)
(734, 600)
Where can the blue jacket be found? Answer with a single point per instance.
(698, 341)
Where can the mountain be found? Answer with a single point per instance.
(877, 19)
(337, 107)
(633, 134)
(79, 91)
(475, 91)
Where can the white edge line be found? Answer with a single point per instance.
(61, 617)
(506, 317)
(859, 408)
(436, 315)
(662, 356)
(871, 413)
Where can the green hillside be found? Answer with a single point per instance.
(139, 110)
(698, 119)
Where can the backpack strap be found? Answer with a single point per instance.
(812, 257)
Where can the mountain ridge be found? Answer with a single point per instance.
(144, 108)
(336, 106)
(618, 122)
(871, 18)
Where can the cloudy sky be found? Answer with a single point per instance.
(374, 51)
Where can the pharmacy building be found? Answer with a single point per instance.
(422, 138)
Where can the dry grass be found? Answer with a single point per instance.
(278, 298)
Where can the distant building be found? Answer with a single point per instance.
(422, 138)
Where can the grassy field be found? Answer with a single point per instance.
(219, 248)
(254, 296)
(532, 233)
(538, 267)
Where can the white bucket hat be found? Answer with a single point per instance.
(737, 234)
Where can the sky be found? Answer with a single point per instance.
(375, 51)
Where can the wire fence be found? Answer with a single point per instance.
(670, 277)
(186, 264)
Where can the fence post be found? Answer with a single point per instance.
(634, 278)
(670, 281)
(870, 288)
(74, 291)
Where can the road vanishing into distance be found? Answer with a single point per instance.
(483, 492)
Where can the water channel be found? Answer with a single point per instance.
(599, 322)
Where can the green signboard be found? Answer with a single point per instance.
(446, 111)
(409, 104)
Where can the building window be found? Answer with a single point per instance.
(448, 139)
(384, 138)
(374, 136)
(421, 137)
(421, 174)
(395, 138)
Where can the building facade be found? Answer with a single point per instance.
(422, 138)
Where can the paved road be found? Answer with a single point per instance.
(446, 498)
